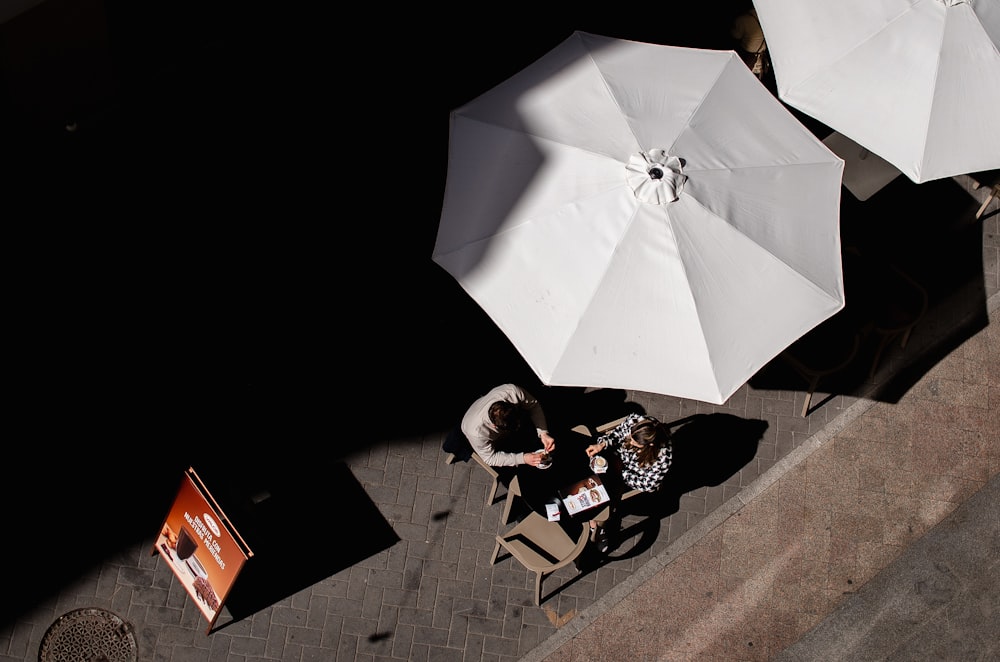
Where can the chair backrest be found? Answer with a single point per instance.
(513, 491)
(601, 429)
(491, 494)
(457, 447)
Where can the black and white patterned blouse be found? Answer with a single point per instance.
(647, 479)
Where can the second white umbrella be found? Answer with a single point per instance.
(916, 82)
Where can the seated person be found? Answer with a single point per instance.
(749, 36)
(644, 449)
(505, 426)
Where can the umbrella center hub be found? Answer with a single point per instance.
(655, 177)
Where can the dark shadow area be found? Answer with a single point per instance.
(227, 261)
(642, 536)
(712, 448)
(928, 230)
(566, 407)
(81, 502)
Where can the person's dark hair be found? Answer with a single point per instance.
(506, 416)
(651, 435)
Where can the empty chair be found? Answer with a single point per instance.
(904, 304)
(826, 350)
(540, 546)
(986, 179)
(886, 298)
(993, 195)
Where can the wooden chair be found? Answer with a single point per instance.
(887, 299)
(826, 350)
(993, 195)
(985, 179)
(540, 546)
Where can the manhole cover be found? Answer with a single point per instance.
(88, 635)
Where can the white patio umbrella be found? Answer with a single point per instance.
(641, 216)
(916, 82)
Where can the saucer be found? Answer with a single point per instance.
(543, 466)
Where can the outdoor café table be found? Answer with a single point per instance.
(570, 464)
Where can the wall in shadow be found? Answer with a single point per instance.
(227, 273)
(79, 503)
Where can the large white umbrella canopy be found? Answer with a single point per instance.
(916, 82)
(602, 274)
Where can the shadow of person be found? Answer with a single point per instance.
(713, 447)
(709, 449)
(645, 531)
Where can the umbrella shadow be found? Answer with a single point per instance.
(567, 407)
(709, 449)
(914, 290)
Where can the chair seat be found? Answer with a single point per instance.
(538, 543)
(540, 546)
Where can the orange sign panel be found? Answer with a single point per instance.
(201, 546)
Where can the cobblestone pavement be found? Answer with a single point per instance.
(419, 584)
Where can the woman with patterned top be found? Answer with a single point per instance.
(644, 446)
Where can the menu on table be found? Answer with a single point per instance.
(584, 494)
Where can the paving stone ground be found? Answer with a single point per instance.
(778, 554)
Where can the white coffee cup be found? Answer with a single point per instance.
(598, 464)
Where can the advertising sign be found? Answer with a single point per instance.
(201, 546)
